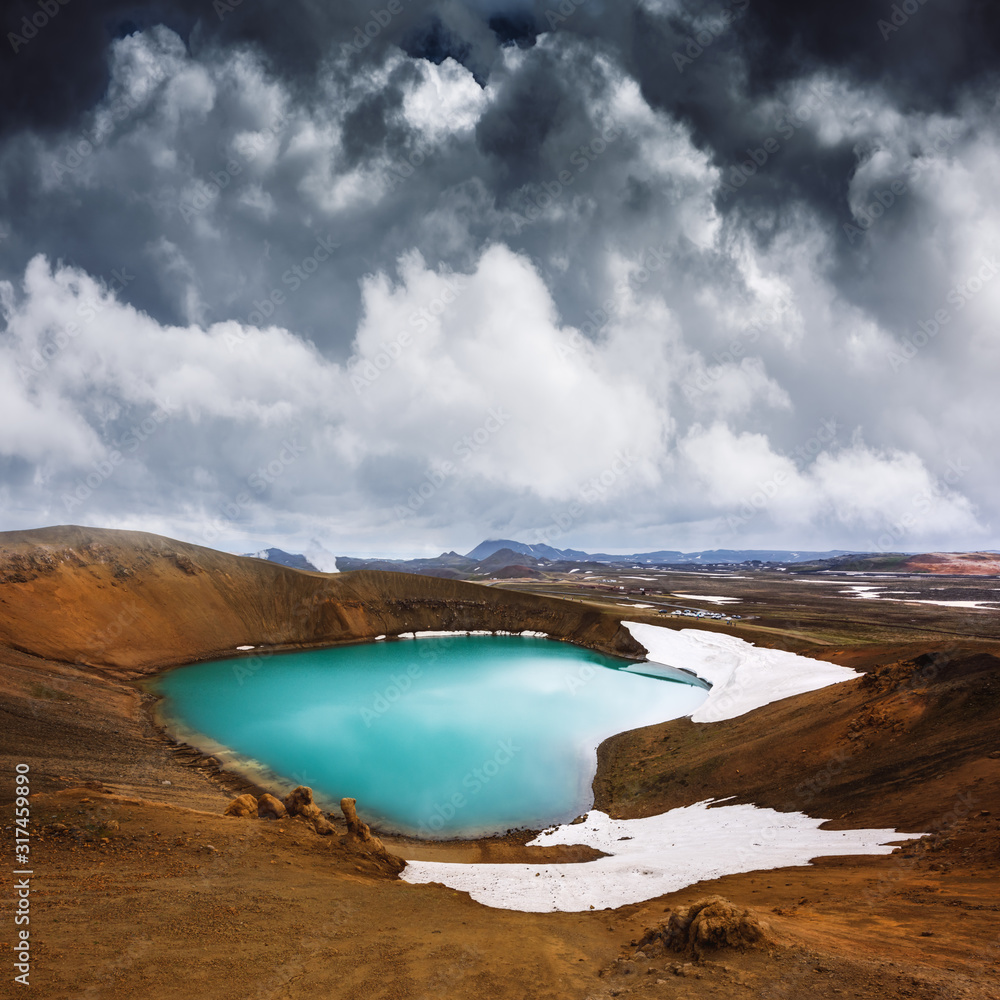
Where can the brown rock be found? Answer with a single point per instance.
(299, 802)
(356, 829)
(244, 805)
(710, 923)
(268, 807)
(323, 826)
(360, 838)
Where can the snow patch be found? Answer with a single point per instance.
(652, 856)
(743, 676)
(976, 605)
(712, 600)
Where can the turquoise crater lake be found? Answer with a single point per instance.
(460, 736)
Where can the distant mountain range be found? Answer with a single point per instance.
(500, 558)
(664, 556)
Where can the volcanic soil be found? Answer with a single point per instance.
(143, 887)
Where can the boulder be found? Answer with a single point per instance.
(709, 924)
(323, 826)
(268, 807)
(244, 805)
(360, 839)
(356, 829)
(299, 802)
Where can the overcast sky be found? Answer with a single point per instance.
(392, 279)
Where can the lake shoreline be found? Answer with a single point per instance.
(608, 693)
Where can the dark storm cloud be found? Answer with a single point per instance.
(671, 179)
(58, 75)
(716, 66)
(434, 41)
(54, 53)
(54, 64)
(924, 52)
(516, 129)
(373, 125)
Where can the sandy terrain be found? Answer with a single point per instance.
(143, 888)
(970, 563)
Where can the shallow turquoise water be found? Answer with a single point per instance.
(453, 737)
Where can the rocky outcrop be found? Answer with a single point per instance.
(243, 805)
(356, 829)
(299, 802)
(360, 838)
(268, 807)
(709, 924)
